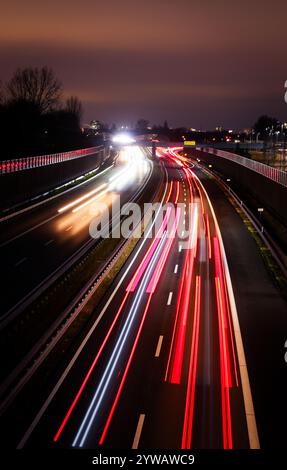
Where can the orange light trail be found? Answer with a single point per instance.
(82, 198)
(177, 192)
(170, 190)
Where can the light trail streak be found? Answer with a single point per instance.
(208, 237)
(225, 372)
(82, 198)
(114, 405)
(159, 268)
(87, 337)
(79, 393)
(176, 352)
(177, 193)
(148, 255)
(119, 175)
(245, 383)
(190, 395)
(113, 362)
(189, 177)
(95, 361)
(170, 190)
(199, 191)
(98, 196)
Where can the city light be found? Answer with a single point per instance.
(123, 139)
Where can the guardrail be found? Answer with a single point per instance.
(27, 163)
(273, 174)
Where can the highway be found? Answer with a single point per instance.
(165, 361)
(162, 363)
(34, 244)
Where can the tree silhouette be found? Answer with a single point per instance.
(265, 125)
(37, 86)
(74, 106)
(142, 124)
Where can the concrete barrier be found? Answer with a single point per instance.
(17, 186)
(262, 186)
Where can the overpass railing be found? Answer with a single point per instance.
(27, 163)
(274, 174)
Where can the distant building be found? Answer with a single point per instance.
(96, 125)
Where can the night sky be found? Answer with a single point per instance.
(198, 63)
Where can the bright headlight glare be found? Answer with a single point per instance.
(123, 139)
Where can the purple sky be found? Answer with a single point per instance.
(197, 63)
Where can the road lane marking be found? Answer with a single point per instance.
(22, 260)
(49, 242)
(175, 269)
(68, 228)
(138, 432)
(158, 348)
(179, 247)
(169, 298)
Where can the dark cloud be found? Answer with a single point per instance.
(193, 63)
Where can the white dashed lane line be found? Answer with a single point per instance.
(169, 298)
(158, 348)
(138, 431)
(49, 242)
(21, 261)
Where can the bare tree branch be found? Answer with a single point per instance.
(38, 86)
(74, 106)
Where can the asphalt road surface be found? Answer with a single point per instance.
(174, 357)
(36, 243)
